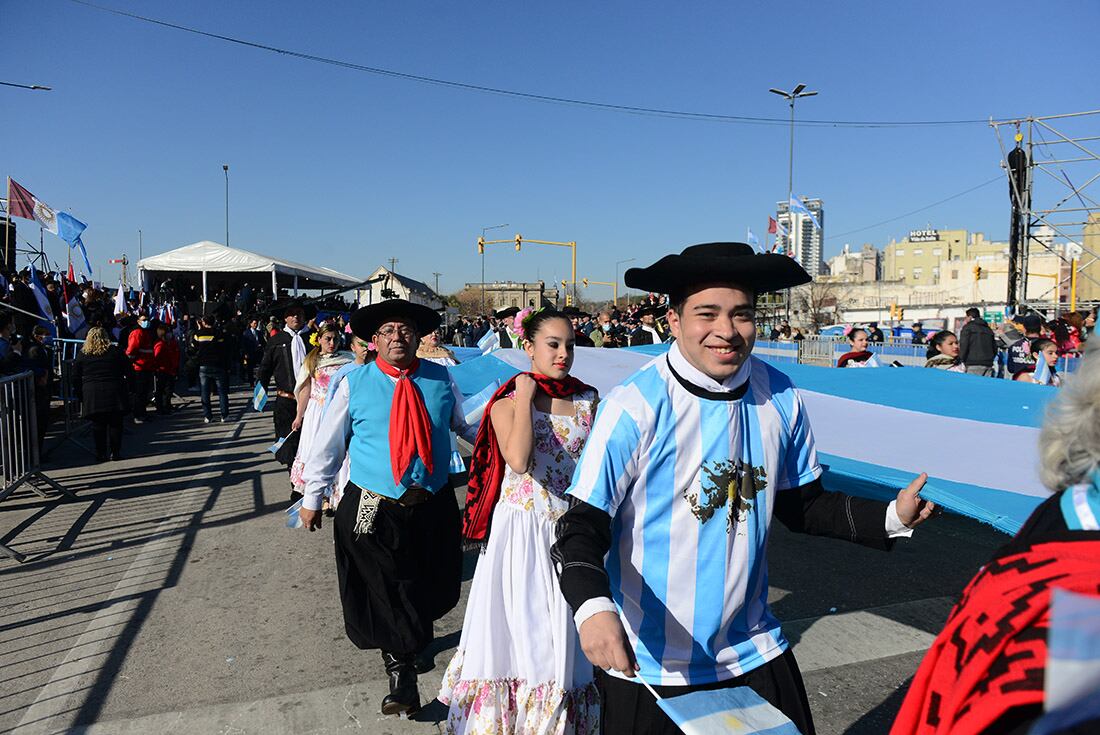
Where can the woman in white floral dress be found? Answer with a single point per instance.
(519, 667)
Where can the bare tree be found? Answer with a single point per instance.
(818, 304)
(468, 301)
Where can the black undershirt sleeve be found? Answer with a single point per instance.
(583, 540)
(812, 509)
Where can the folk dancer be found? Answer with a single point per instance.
(663, 558)
(397, 528)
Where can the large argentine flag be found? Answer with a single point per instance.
(977, 438)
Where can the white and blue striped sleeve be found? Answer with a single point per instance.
(799, 465)
(609, 461)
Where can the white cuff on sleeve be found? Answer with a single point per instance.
(312, 501)
(591, 607)
(894, 527)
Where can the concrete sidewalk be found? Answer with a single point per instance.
(171, 598)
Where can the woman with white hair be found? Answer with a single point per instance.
(987, 671)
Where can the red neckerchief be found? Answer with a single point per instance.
(487, 463)
(410, 427)
(855, 356)
(989, 658)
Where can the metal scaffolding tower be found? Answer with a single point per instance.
(1050, 167)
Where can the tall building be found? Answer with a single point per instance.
(804, 240)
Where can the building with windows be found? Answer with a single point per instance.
(862, 266)
(503, 294)
(803, 240)
(402, 287)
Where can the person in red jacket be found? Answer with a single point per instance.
(166, 352)
(139, 348)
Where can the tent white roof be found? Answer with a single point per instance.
(212, 257)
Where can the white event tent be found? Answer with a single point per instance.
(209, 258)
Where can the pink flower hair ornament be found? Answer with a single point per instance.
(518, 325)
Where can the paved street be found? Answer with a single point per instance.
(170, 598)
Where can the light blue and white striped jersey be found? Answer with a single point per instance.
(687, 562)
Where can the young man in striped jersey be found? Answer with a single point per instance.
(663, 556)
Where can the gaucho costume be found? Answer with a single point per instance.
(676, 490)
(398, 551)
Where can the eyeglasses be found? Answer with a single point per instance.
(389, 331)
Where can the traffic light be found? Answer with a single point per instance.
(585, 282)
(519, 239)
(481, 246)
(977, 273)
(901, 313)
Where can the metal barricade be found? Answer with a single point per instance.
(776, 351)
(64, 350)
(819, 351)
(19, 461)
(70, 407)
(910, 355)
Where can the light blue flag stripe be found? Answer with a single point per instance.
(737, 711)
(259, 397)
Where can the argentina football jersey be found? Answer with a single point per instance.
(689, 476)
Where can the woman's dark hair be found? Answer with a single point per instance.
(852, 334)
(934, 344)
(1061, 330)
(314, 355)
(1038, 345)
(533, 323)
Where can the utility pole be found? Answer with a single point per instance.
(794, 94)
(393, 264)
(481, 250)
(139, 246)
(437, 275)
(225, 168)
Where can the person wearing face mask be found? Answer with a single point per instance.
(139, 348)
(519, 667)
(397, 528)
(662, 558)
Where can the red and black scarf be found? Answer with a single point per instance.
(854, 356)
(410, 427)
(487, 463)
(990, 657)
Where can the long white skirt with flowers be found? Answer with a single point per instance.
(519, 667)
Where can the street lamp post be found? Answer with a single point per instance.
(483, 231)
(794, 94)
(617, 264)
(225, 168)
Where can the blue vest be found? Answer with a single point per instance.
(370, 396)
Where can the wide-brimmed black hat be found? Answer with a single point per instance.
(366, 321)
(656, 311)
(505, 313)
(719, 262)
(572, 311)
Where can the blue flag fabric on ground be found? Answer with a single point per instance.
(736, 711)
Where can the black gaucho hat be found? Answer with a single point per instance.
(505, 313)
(655, 311)
(718, 262)
(366, 321)
(572, 311)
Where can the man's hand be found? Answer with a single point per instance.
(912, 509)
(311, 519)
(604, 643)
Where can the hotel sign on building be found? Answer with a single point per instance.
(923, 236)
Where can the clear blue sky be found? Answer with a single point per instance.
(346, 169)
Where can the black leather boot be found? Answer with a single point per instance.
(404, 695)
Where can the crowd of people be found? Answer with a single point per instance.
(582, 610)
(1018, 350)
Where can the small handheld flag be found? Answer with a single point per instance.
(293, 520)
(259, 397)
(1042, 371)
(737, 710)
(872, 362)
(277, 445)
(752, 239)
